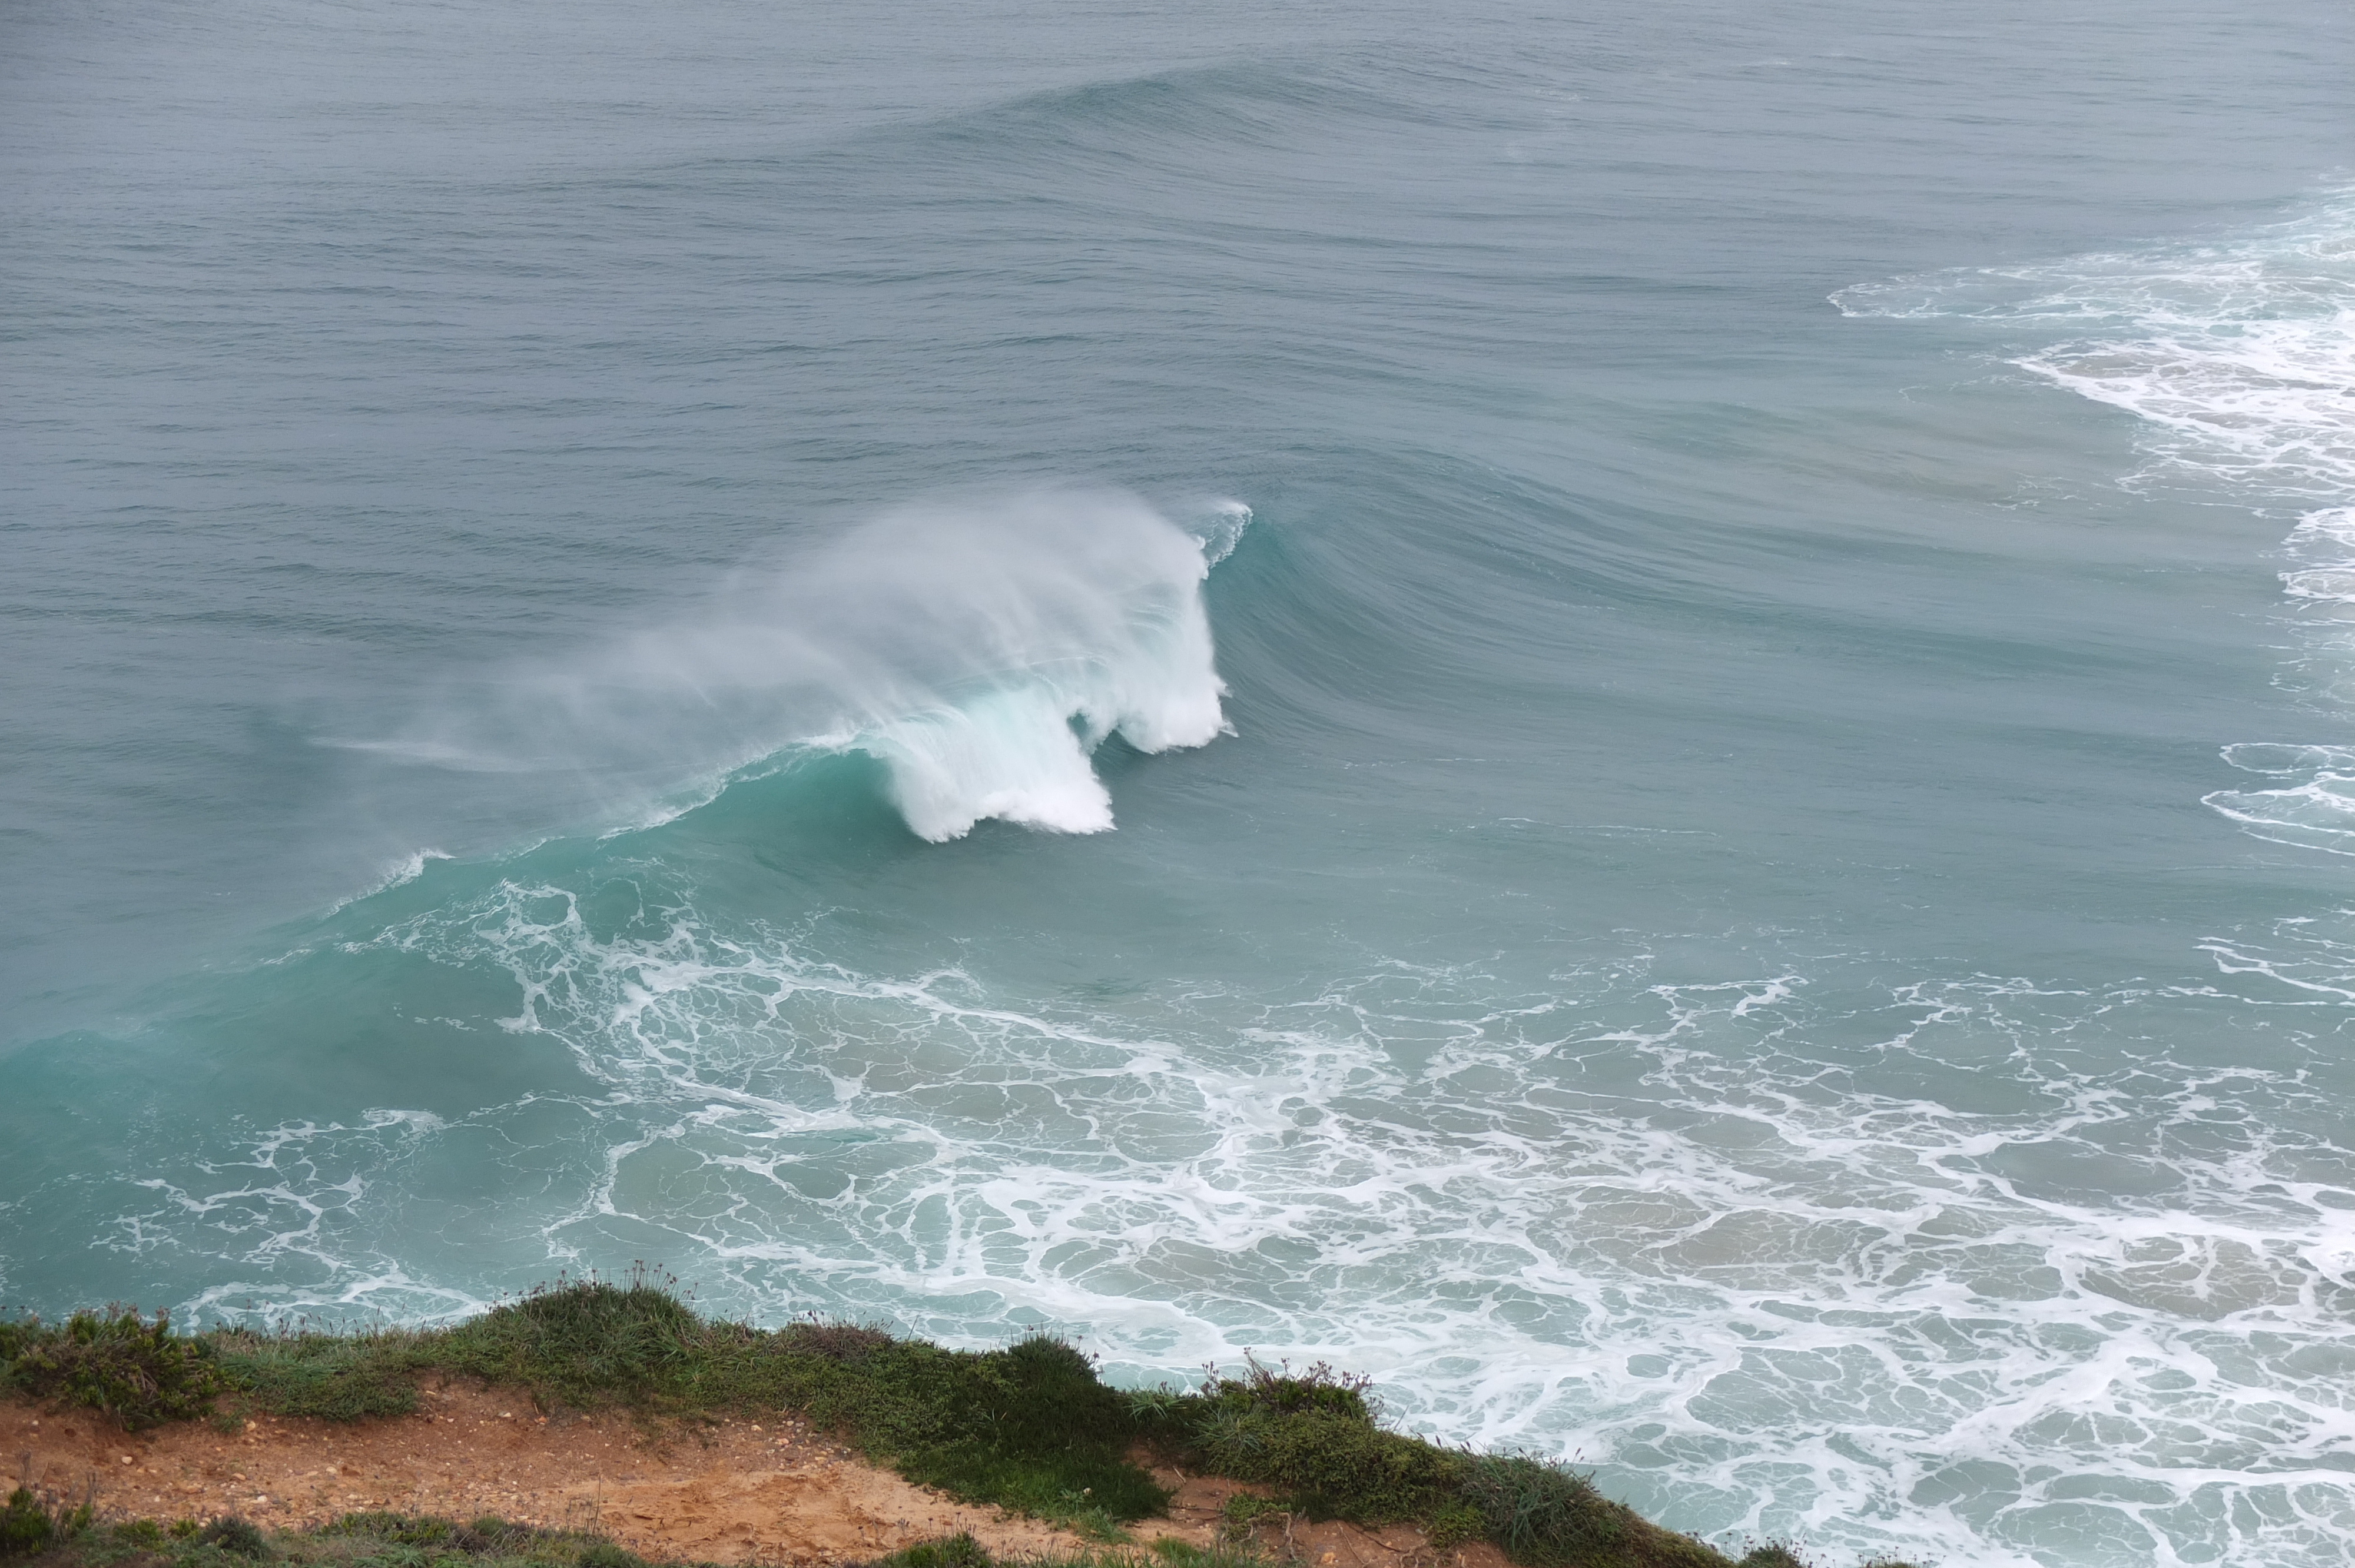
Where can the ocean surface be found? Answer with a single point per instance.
(1642, 715)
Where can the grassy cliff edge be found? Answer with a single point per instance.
(1030, 1428)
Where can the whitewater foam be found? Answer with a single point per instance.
(1652, 1220)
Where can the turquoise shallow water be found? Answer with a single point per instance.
(1641, 719)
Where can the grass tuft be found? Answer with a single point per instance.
(36, 1519)
(954, 1552)
(1543, 1512)
(964, 1552)
(357, 1540)
(1774, 1554)
(847, 1343)
(238, 1537)
(582, 1342)
(25, 1526)
(326, 1376)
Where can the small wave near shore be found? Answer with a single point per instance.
(2239, 355)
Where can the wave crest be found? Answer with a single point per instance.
(981, 649)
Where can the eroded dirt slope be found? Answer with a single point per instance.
(738, 1491)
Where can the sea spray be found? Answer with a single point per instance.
(981, 649)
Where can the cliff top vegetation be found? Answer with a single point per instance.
(1030, 1427)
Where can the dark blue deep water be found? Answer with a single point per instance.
(1640, 713)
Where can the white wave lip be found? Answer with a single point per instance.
(1083, 622)
(981, 649)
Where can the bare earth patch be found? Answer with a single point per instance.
(735, 1492)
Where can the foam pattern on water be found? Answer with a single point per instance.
(1665, 1227)
(2238, 355)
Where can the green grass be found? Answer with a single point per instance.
(1315, 1438)
(1030, 1427)
(964, 1552)
(358, 1541)
(410, 1541)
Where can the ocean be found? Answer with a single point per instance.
(1640, 716)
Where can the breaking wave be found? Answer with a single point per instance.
(981, 649)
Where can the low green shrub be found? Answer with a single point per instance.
(238, 1537)
(1245, 1509)
(25, 1526)
(1454, 1523)
(140, 1374)
(964, 1552)
(1317, 1437)
(1030, 1427)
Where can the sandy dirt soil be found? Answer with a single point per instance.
(737, 1492)
(734, 1492)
